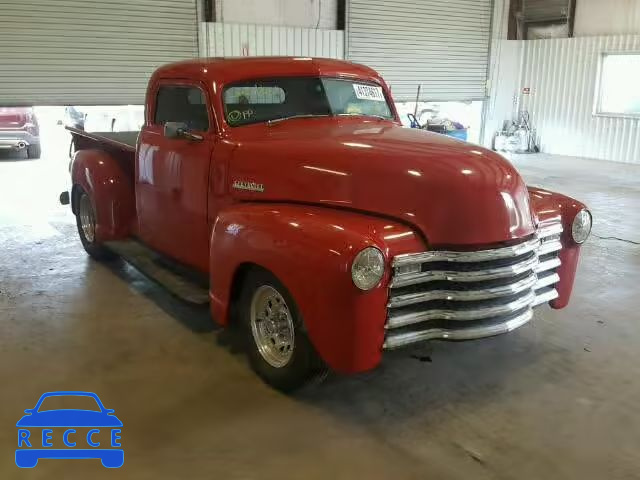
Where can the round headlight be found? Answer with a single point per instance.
(581, 227)
(367, 268)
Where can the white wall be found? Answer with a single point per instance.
(502, 75)
(607, 17)
(502, 103)
(561, 74)
(236, 40)
(292, 13)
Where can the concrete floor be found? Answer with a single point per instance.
(557, 399)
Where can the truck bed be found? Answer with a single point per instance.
(123, 140)
(126, 138)
(121, 146)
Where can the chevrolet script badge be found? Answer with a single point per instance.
(251, 186)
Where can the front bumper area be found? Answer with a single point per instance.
(451, 295)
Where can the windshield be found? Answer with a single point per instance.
(67, 402)
(279, 98)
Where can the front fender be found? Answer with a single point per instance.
(545, 205)
(310, 250)
(111, 191)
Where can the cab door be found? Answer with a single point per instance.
(172, 174)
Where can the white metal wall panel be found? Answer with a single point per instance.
(239, 39)
(75, 52)
(291, 13)
(492, 107)
(610, 17)
(441, 45)
(562, 75)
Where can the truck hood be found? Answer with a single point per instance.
(454, 192)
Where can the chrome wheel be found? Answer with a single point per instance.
(272, 326)
(87, 219)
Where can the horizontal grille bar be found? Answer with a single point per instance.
(404, 319)
(549, 247)
(461, 276)
(396, 340)
(440, 256)
(547, 265)
(464, 295)
(550, 229)
(546, 280)
(545, 296)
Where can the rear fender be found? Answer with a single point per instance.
(546, 204)
(310, 250)
(111, 191)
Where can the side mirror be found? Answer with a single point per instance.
(174, 129)
(179, 130)
(29, 410)
(109, 411)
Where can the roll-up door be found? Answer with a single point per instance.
(442, 45)
(89, 52)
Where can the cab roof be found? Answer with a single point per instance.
(225, 70)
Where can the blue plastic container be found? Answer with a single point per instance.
(459, 134)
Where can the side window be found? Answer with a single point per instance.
(182, 104)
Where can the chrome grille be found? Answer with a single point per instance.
(463, 295)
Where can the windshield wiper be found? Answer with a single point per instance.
(379, 117)
(305, 115)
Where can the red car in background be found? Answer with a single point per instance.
(19, 130)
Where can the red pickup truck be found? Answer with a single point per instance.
(285, 192)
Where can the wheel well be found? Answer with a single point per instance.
(76, 190)
(239, 277)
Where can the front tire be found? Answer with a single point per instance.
(86, 224)
(278, 348)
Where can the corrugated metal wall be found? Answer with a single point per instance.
(441, 45)
(236, 40)
(75, 52)
(562, 75)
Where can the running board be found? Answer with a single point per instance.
(162, 271)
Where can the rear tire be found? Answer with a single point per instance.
(86, 223)
(278, 348)
(33, 151)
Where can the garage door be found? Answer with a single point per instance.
(441, 45)
(79, 52)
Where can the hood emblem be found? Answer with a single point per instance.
(250, 186)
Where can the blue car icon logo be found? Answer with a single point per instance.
(92, 432)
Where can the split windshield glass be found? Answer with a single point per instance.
(280, 98)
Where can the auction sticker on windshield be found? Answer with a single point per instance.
(368, 92)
